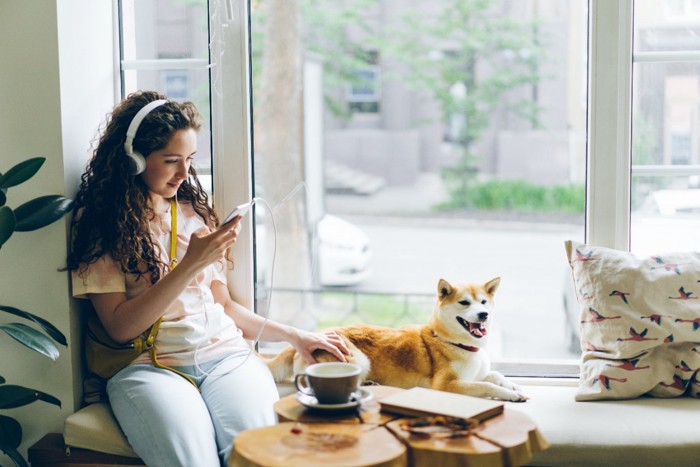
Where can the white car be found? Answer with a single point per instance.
(343, 251)
(344, 254)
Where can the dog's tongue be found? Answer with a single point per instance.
(478, 329)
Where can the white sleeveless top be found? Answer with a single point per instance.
(194, 326)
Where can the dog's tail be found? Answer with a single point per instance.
(282, 365)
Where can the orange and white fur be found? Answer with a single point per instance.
(446, 354)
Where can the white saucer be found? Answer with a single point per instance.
(359, 397)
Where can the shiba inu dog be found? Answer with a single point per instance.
(446, 353)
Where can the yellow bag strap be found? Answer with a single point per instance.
(150, 341)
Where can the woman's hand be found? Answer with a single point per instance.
(259, 328)
(306, 342)
(207, 247)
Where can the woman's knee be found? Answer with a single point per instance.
(164, 418)
(240, 397)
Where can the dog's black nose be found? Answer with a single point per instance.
(483, 316)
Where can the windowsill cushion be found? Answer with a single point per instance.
(639, 432)
(94, 427)
(646, 431)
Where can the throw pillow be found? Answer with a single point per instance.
(640, 322)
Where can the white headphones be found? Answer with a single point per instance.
(138, 159)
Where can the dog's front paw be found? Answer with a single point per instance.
(510, 395)
(512, 386)
(519, 396)
(517, 393)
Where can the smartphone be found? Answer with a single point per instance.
(239, 210)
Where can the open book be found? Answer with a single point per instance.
(421, 402)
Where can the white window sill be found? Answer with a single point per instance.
(543, 371)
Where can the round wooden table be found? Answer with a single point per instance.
(316, 445)
(369, 437)
(509, 439)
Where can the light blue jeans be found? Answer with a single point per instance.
(169, 423)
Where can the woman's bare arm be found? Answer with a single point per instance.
(251, 324)
(124, 319)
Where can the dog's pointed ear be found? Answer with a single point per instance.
(492, 285)
(444, 288)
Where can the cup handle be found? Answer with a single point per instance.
(303, 388)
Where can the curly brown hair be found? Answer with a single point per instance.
(112, 212)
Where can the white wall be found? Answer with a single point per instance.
(56, 86)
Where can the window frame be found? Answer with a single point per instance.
(609, 132)
(232, 132)
(231, 128)
(609, 124)
(688, 56)
(609, 116)
(353, 97)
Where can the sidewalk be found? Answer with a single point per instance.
(412, 200)
(418, 203)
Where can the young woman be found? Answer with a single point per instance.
(121, 260)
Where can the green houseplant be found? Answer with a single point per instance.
(32, 215)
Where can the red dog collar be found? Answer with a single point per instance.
(466, 347)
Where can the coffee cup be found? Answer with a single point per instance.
(329, 382)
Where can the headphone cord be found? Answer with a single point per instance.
(267, 308)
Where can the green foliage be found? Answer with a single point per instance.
(32, 215)
(325, 26)
(446, 55)
(442, 54)
(476, 36)
(518, 195)
(325, 33)
(343, 308)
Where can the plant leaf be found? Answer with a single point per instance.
(3, 194)
(7, 224)
(2, 380)
(50, 329)
(10, 432)
(31, 338)
(14, 455)
(21, 172)
(13, 396)
(41, 212)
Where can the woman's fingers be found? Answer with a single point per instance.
(211, 246)
(330, 341)
(235, 224)
(201, 232)
(339, 342)
(334, 344)
(330, 347)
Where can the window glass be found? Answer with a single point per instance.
(671, 25)
(663, 208)
(164, 29)
(665, 129)
(466, 161)
(160, 40)
(666, 122)
(364, 87)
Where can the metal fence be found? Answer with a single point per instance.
(324, 308)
